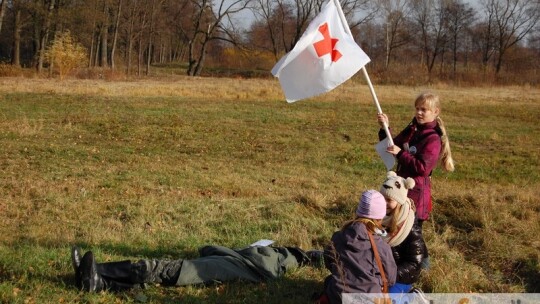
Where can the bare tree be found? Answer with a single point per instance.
(44, 31)
(134, 24)
(189, 31)
(303, 12)
(93, 16)
(3, 7)
(460, 17)
(103, 30)
(395, 14)
(115, 35)
(154, 8)
(359, 12)
(18, 24)
(180, 27)
(280, 23)
(429, 16)
(263, 27)
(211, 21)
(130, 33)
(534, 43)
(21, 20)
(513, 21)
(484, 31)
(143, 23)
(275, 28)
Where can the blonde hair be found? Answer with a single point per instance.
(431, 101)
(392, 226)
(370, 224)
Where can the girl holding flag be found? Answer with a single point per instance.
(418, 148)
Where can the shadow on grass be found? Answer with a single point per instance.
(464, 216)
(281, 290)
(56, 275)
(291, 288)
(461, 213)
(527, 271)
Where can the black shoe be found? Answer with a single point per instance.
(91, 281)
(76, 262)
(75, 258)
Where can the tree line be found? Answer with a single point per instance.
(441, 38)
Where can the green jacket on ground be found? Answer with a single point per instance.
(255, 264)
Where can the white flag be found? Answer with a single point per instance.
(324, 57)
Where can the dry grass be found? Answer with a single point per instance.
(159, 168)
(177, 86)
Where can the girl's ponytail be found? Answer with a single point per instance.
(432, 102)
(446, 155)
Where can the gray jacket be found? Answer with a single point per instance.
(350, 259)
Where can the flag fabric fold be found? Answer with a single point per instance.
(325, 56)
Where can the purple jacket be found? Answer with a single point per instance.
(352, 263)
(418, 161)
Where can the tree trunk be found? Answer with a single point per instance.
(148, 56)
(150, 40)
(93, 49)
(91, 54)
(16, 56)
(191, 60)
(98, 47)
(202, 57)
(104, 37)
(35, 42)
(454, 55)
(139, 55)
(498, 66)
(115, 37)
(3, 8)
(130, 43)
(387, 61)
(162, 53)
(129, 54)
(45, 35)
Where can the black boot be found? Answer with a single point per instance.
(114, 276)
(90, 280)
(75, 257)
(76, 262)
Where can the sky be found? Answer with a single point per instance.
(246, 17)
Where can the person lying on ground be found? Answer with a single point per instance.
(215, 264)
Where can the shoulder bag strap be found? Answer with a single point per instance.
(378, 259)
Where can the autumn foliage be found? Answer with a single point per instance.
(65, 54)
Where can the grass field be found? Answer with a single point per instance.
(158, 168)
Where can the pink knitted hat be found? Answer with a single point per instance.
(372, 205)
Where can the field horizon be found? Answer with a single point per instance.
(157, 168)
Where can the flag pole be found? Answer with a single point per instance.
(379, 110)
(371, 89)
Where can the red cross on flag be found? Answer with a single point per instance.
(324, 57)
